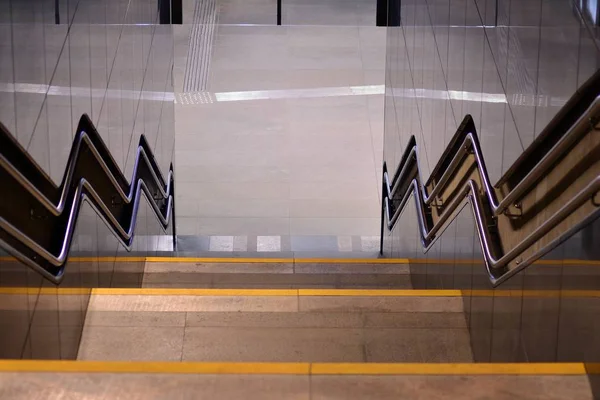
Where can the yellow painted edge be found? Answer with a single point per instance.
(351, 260)
(380, 292)
(235, 292)
(155, 367)
(297, 368)
(268, 260)
(234, 260)
(219, 260)
(573, 262)
(108, 259)
(401, 261)
(442, 261)
(277, 292)
(301, 292)
(194, 292)
(347, 292)
(449, 369)
(592, 368)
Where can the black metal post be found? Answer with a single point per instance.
(394, 7)
(383, 194)
(177, 12)
(56, 12)
(381, 18)
(164, 11)
(171, 11)
(496, 14)
(173, 219)
(278, 12)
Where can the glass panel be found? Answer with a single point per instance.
(112, 61)
(511, 65)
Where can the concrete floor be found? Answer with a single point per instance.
(290, 123)
(276, 275)
(261, 327)
(33, 386)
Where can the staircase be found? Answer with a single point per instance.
(501, 312)
(283, 328)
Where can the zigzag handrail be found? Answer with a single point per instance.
(484, 202)
(91, 175)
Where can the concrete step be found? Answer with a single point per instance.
(359, 273)
(32, 380)
(275, 326)
(296, 273)
(274, 273)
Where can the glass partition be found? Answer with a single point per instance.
(113, 61)
(511, 65)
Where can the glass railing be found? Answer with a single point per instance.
(113, 61)
(511, 65)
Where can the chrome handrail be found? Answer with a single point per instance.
(471, 143)
(70, 200)
(471, 193)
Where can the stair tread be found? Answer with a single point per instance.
(299, 381)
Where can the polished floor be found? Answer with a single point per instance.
(290, 123)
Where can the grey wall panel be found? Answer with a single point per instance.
(108, 59)
(448, 59)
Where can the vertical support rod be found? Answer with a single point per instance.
(278, 12)
(173, 219)
(383, 194)
(176, 12)
(164, 11)
(56, 12)
(381, 17)
(496, 15)
(393, 13)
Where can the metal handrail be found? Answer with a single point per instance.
(470, 143)
(66, 200)
(495, 260)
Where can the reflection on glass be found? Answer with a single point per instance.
(112, 61)
(447, 60)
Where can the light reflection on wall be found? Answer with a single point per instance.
(447, 59)
(100, 60)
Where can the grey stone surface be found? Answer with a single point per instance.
(150, 386)
(131, 343)
(379, 304)
(135, 318)
(273, 345)
(415, 320)
(275, 320)
(450, 387)
(103, 386)
(182, 303)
